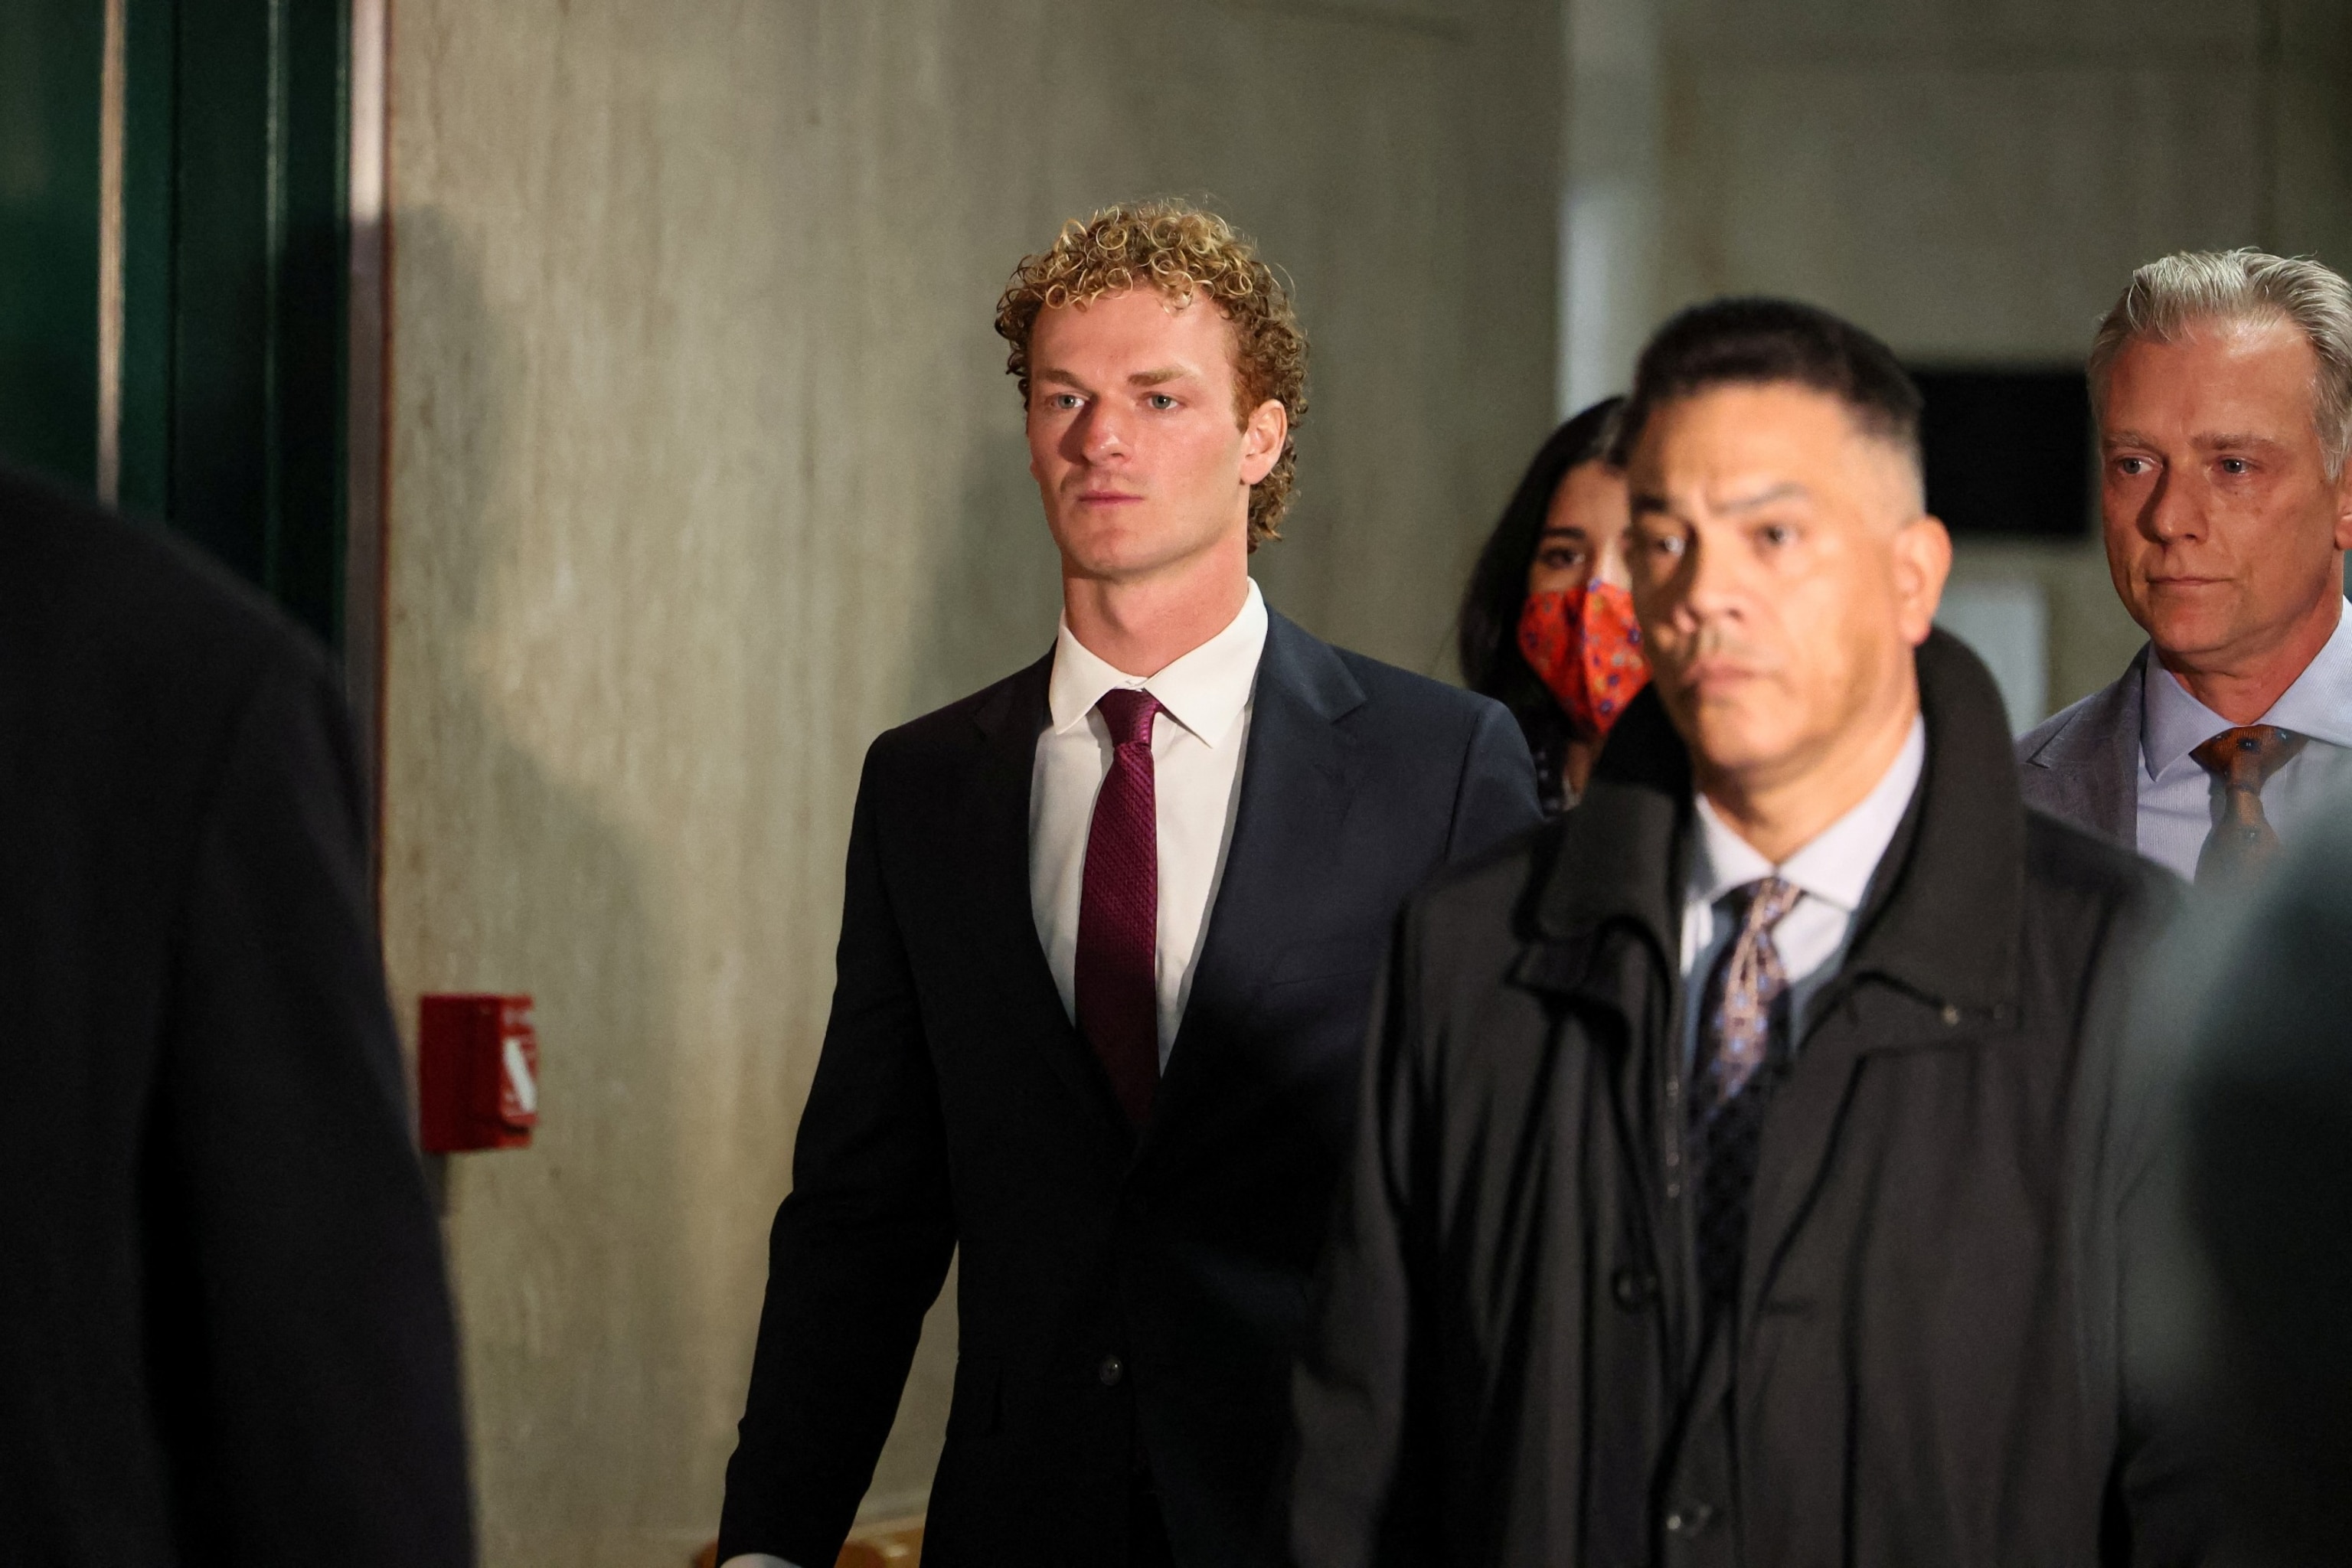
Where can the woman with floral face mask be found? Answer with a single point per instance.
(1548, 624)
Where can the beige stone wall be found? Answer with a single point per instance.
(1975, 179)
(705, 471)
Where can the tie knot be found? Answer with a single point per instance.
(2245, 758)
(1763, 903)
(1130, 715)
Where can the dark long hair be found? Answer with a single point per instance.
(1489, 631)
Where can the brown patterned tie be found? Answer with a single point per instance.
(2244, 841)
(1743, 1043)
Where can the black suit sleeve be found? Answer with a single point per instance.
(1353, 1399)
(305, 1347)
(858, 1251)
(1497, 796)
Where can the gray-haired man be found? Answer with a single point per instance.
(2223, 383)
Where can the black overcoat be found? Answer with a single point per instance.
(224, 1336)
(1928, 1365)
(1122, 1301)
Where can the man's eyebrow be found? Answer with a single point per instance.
(1060, 377)
(2207, 442)
(1788, 490)
(1555, 530)
(1164, 373)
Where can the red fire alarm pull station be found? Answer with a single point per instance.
(476, 1073)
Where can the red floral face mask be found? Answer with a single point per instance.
(1585, 646)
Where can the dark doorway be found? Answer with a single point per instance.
(2008, 450)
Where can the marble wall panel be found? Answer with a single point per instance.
(705, 471)
(1974, 180)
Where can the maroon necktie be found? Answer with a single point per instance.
(1119, 911)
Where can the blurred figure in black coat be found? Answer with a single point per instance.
(1547, 626)
(224, 1332)
(2266, 1186)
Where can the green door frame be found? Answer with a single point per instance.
(235, 298)
(51, 55)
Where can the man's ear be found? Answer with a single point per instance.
(2343, 506)
(1923, 561)
(1263, 435)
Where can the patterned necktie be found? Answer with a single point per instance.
(2242, 842)
(1119, 911)
(1743, 1039)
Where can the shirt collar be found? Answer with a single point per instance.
(2319, 704)
(1836, 863)
(1205, 691)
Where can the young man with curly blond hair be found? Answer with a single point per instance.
(1105, 964)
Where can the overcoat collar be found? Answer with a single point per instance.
(1297, 784)
(1941, 920)
(1946, 908)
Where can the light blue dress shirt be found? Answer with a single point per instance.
(1832, 872)
(2179, 801)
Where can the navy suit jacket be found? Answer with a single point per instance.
(1126, 1302)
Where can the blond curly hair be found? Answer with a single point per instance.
(1180, 250)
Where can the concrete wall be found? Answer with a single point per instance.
(705, 471)
(1974, 180)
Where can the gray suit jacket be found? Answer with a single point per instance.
(2082, 764)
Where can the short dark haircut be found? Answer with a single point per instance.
(1760, 341)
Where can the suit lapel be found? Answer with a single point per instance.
(1297, 784)
(2114, 774)
(2088, 772)
(994, 899)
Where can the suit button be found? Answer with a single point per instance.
(1689, 1518)
(1633, 1288)
(1111, 1373)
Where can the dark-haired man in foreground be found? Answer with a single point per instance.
(1739, 1170)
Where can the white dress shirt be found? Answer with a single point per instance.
(1832, 872)
(2179, 801)
(1196, 763)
